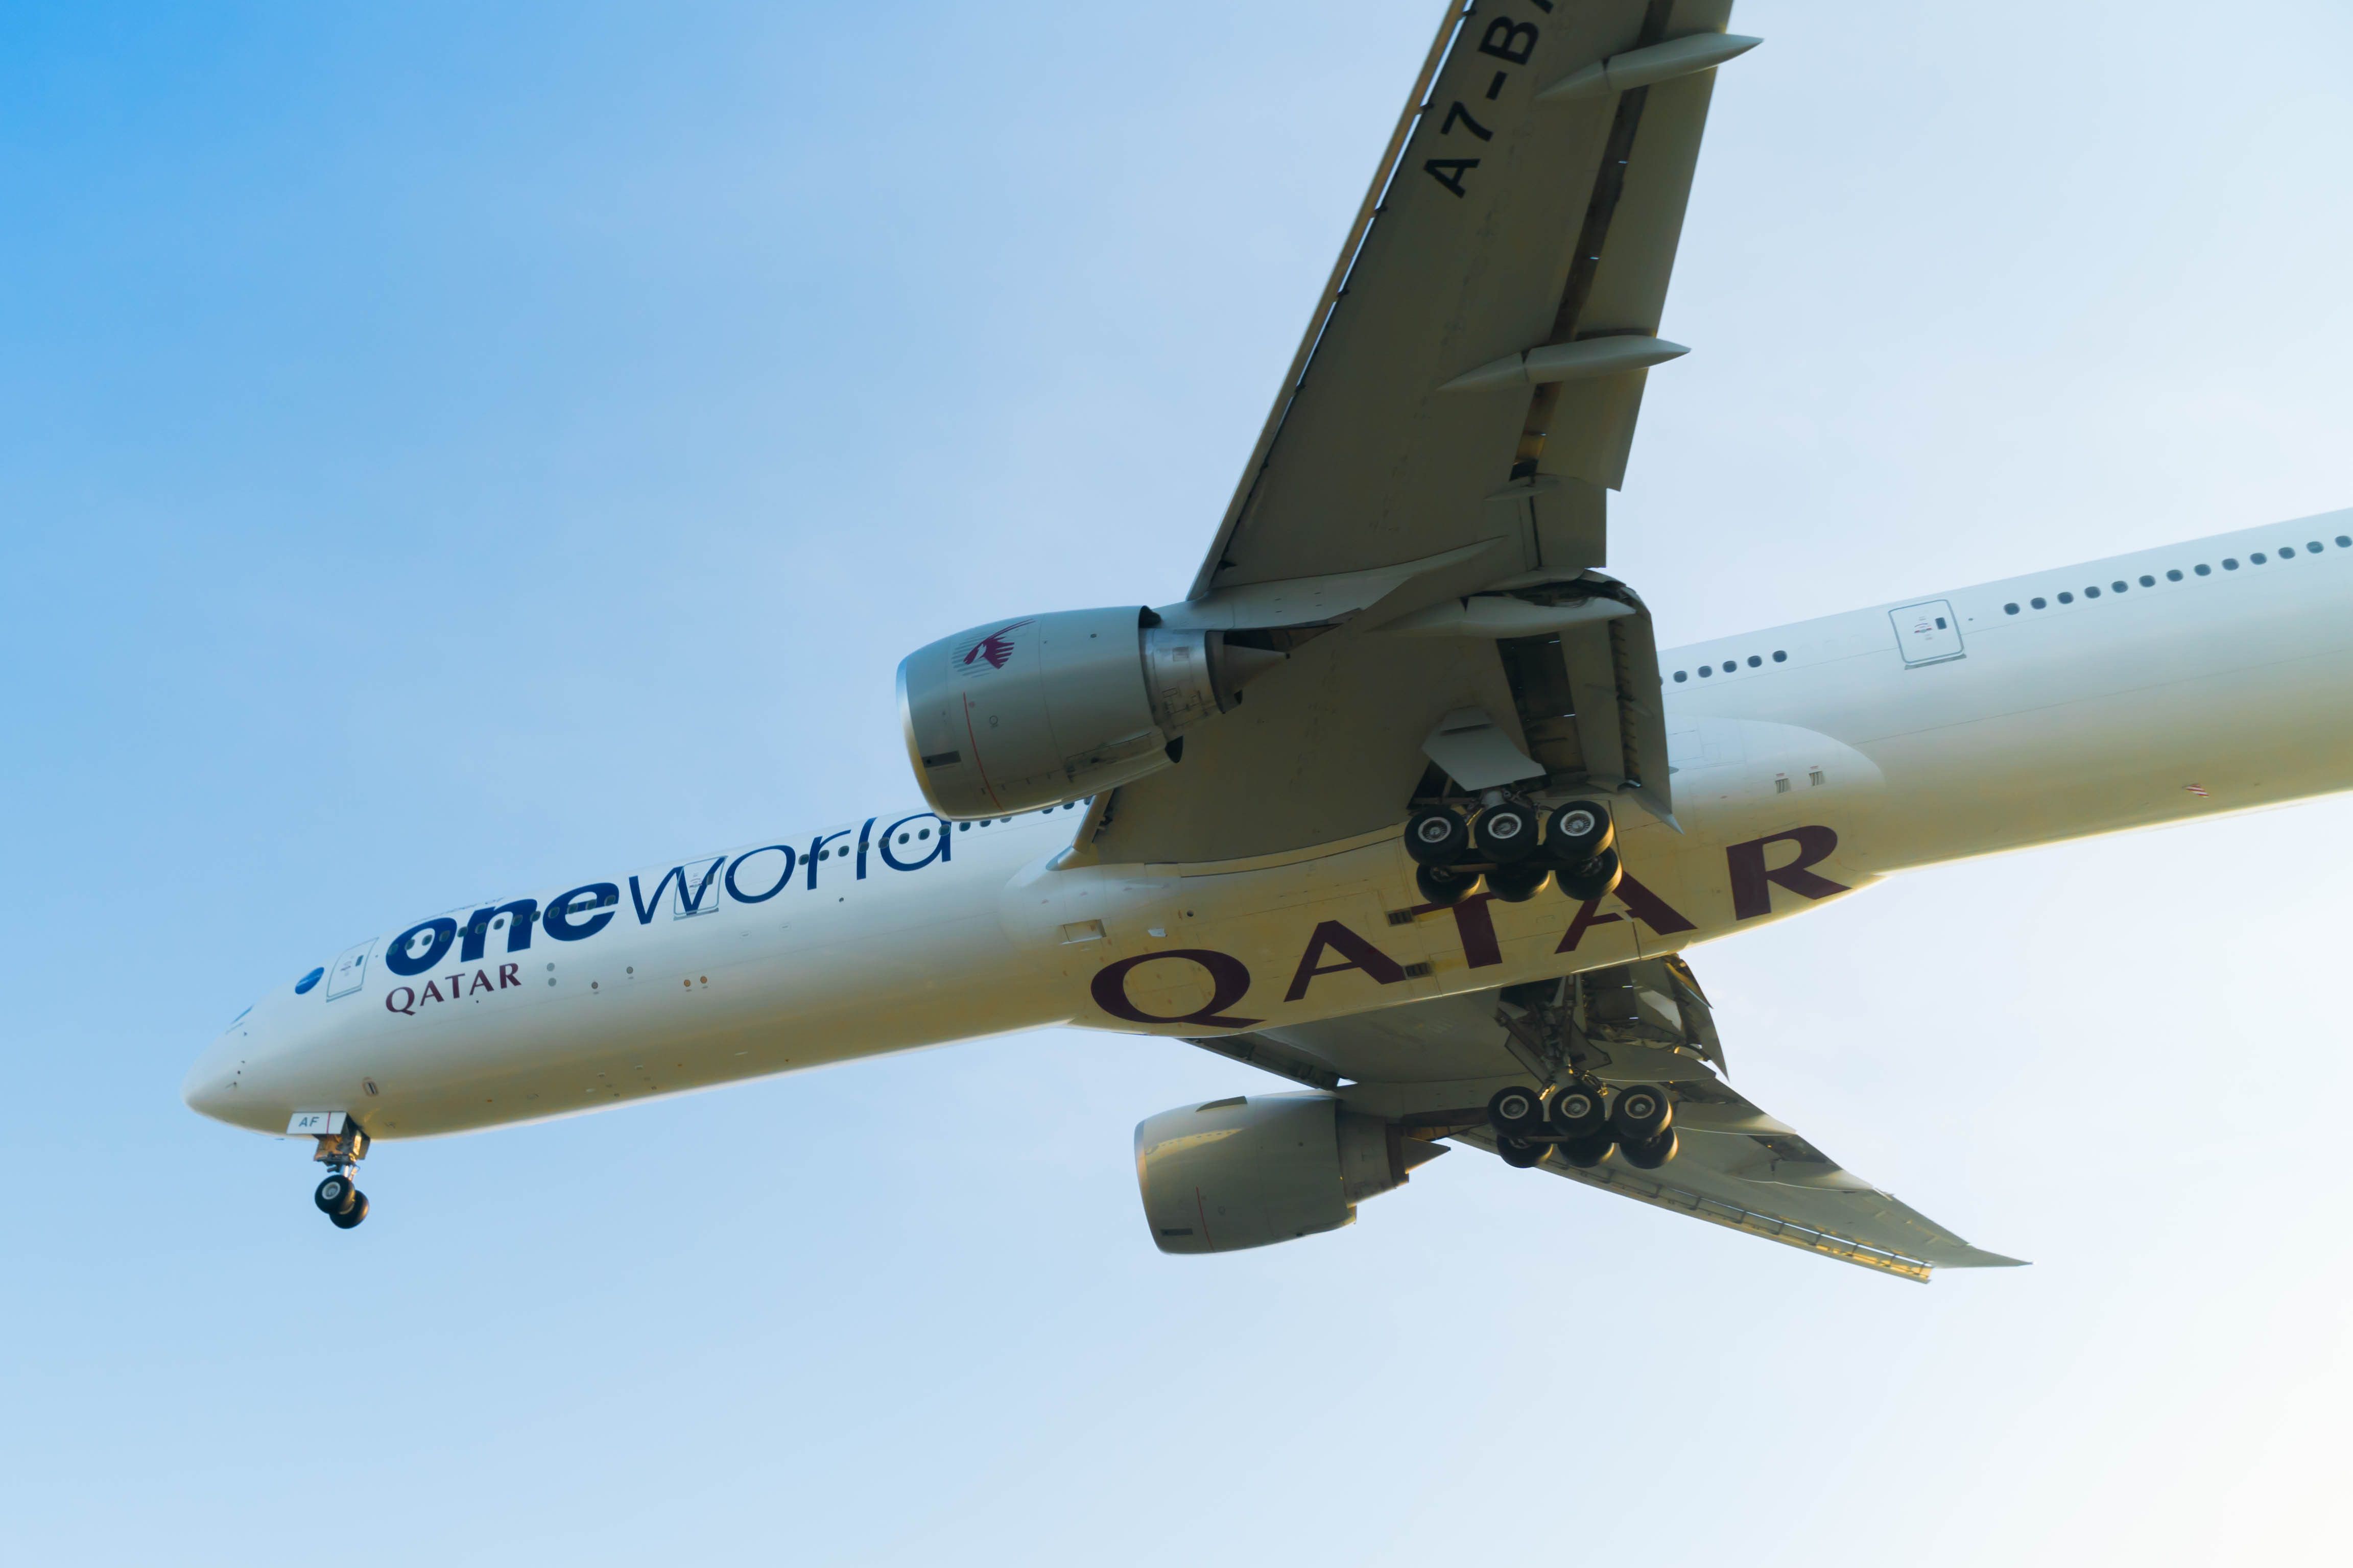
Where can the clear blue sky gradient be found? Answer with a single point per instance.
(450, 450)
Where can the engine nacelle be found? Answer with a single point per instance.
(1254, 1170)
(1021, 714)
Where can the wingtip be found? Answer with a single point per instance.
(1975, 1258)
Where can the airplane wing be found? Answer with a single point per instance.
(1465, 394)
(1432, 1065)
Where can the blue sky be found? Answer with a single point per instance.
(446, 447)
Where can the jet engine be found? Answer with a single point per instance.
(1258, 1169)
(1037, 711)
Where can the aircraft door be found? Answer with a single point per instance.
(1928, 633)
(350, 971)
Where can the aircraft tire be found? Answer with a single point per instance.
(1650, 1157)
(1443, 889)
(335, 1195)
(1640, 1113)
(1519, 1152)
(1598, 877)
(1577, 832)
(1576, 1115)
(1437, 837)
(1519, 883)
(1515, 1113)
(1586, 1154)
(1505, 833)
(353, 1215)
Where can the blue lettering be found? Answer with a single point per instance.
(600, 896)
(863, 829)
(939, 851)
(520, 915)
(816, 848)
(400, 960)
(687, 905)
(743, 896)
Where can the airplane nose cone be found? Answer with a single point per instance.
(220, 1086)
(210, 1088)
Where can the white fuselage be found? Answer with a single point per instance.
(1809, 760)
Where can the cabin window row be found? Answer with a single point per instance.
(1755, 661)
(2230, 563)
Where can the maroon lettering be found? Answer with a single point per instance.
(432, 993)
(1475, 924)
(507, 975)
(1752, 894)
(1584, 919)
(1649, 907)
(481, 983)
(1354, 952)
(408, 1006)
(1641, 904)
(1230, 981)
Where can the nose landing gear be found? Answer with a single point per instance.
(341, 1200)
(338, 1197)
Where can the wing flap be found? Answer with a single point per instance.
(1433, 1064)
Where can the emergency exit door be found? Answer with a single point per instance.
(1928, 633)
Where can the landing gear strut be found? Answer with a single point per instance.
(338, 1197)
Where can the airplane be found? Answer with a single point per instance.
(1400, 802)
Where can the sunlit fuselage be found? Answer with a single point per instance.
(1809, 760)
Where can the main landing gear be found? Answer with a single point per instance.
(338, 1197)
(1582, 1127)
(1502, 846)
